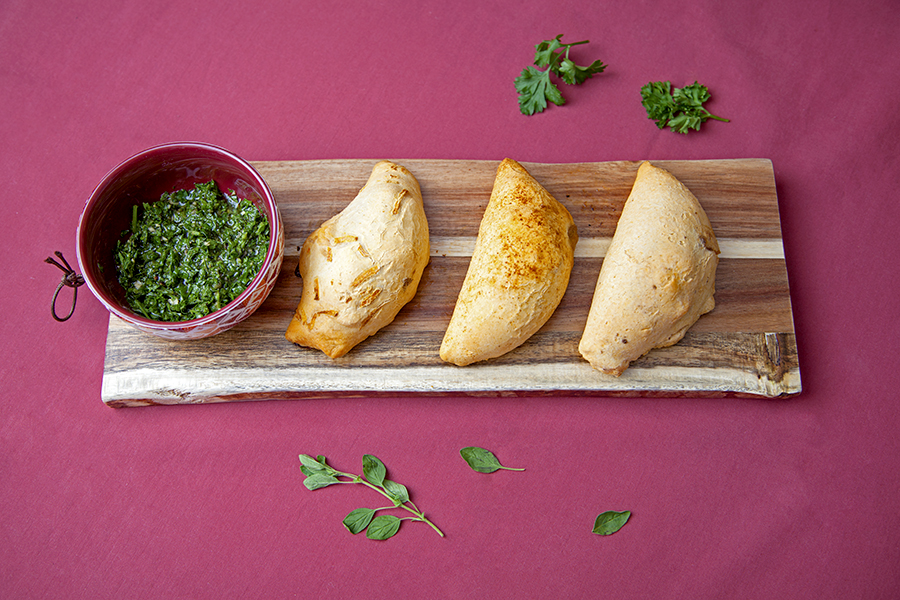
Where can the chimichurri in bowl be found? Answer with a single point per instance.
(190, 253)
(182, 240)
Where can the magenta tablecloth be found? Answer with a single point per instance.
(731, 498)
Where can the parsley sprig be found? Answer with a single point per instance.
(681, 109)
(535, 87)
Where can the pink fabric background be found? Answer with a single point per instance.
(730, 498)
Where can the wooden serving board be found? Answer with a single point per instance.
(744, 347)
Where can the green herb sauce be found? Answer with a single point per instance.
(190, 253)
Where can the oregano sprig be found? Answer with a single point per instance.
(534, 86)
(681, 109)
(319, 474)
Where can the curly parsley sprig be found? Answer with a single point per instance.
(534, 86)
(681, 109)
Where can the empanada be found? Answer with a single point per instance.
(658, 276)
(363, 264)
(518, 273)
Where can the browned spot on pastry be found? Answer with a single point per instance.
(369, 296)
(328, 255)
(397, 200)
(364, 275)
(312, 319)
(363, 252)
(316, 288)
(368, 318)
(345, 238)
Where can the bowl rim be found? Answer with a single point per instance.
(275, 232)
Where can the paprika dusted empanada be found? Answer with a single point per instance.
(658, 276)
(518, 273)
(362, 265)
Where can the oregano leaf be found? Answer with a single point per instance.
(319, 480)
(610, 522)
(382, 527)
(373, 469)
(396, 491)
(358, 519)
(311, 464)
(482, 461)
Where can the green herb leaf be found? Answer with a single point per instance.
(680, 109)
(396, 491)
(610, 522)
(373, 469)
(311, 464)
(483, 461)
(693, 95)
(319, 480)
(534, 86)
(535, 89)
(657, 100)
(383, 527)
(358, 519)
(575, 75)
(544, 51)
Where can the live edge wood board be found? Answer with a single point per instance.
(744, 347)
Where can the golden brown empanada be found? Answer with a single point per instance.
(658, 276)
(363, 264)
(518, 273)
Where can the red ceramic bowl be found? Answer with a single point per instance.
(144, 178)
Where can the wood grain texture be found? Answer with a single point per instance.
(744, 347)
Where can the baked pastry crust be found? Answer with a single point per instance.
(658, 276)
(363, 264)
(518, 273)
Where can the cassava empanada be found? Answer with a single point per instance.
(658, 276)
(518, 273)
(363, 264)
